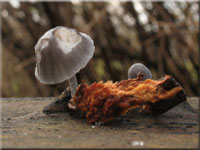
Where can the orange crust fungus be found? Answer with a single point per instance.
(102, 102)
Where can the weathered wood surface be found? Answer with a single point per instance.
(24, 125)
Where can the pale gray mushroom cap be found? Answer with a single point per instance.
(138, 67)
(61, 53)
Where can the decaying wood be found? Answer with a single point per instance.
(60, 104)
(104, 101)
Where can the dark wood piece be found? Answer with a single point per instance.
(60, 104)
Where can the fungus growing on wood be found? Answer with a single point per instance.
(141, 69)
(61, 53)
(102, 102)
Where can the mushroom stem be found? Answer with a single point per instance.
(73, 84)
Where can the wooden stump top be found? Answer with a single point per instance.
(24, 125)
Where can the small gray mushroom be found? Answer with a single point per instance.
(137, 68)
(61, 53)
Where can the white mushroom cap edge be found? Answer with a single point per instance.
(138, 67)
(61, 53)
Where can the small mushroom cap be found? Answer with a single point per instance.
(139, 68)
(60, 53)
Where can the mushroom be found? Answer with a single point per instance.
(137, 69)
(61, 53)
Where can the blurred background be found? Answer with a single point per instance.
(161, 35)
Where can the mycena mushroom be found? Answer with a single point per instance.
(141, 69)
(61, 53)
